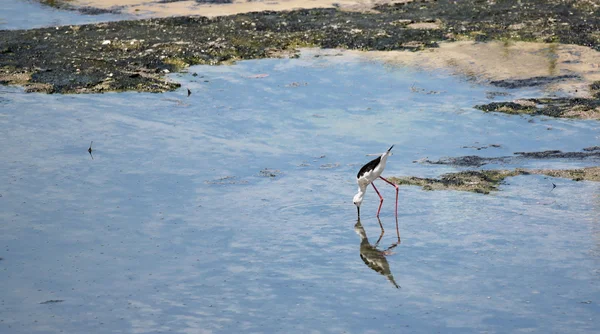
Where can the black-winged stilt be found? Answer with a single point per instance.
(369, 173)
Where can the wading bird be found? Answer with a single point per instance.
(369, 173)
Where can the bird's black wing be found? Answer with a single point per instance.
(368, 167)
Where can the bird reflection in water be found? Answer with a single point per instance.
(375, 258)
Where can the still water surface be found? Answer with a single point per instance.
(28, 14)
(175, 226)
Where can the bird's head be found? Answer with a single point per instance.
(358, 198)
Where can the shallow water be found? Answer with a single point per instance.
(172, 227)
(28, 14)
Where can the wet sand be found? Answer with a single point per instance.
(145, 8)
(498, 60)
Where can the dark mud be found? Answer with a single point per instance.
(486, 181)
(135, 55)
(477, 161)
(565, 107)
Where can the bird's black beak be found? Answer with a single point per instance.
(358, 209)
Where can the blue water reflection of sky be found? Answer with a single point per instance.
(173, 228)
(28, 14)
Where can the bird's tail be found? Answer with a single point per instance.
(390, 148)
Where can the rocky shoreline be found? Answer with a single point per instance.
(136, 55)
(486, 181)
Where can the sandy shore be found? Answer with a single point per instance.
(157, 8)
(497, 61)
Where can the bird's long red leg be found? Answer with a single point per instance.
(395, 186)
(380, 199)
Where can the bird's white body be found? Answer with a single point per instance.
(372, 175)
(369, 173)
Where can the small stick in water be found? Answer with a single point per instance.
(90, 150)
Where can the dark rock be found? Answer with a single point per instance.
(531, 82)
(553, 107)
(477, 161)
(98, 11)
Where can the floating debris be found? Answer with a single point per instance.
(177, 101)
(478, 148)
(257, 76)
(419, 90)
(90, 150)
(329, 166)
(270, 172)
(226, 180)
(297, 84)
(52, 301)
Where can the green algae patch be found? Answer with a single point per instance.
(512, 108)
(483, 181)
(486, 181)
(177, 63)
